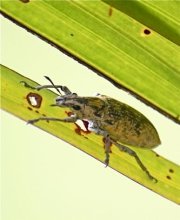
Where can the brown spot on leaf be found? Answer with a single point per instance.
(34, 99)
(110, 11)
(78, 129)
(29, 108)
(168, 177)
(147, 31)
(25, 1)
(69, 113)
(171, 170)
(86, 124)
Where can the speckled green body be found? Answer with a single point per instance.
(122, 122)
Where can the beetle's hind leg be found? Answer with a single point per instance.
(133, 153)
(107, 148)
(106, 139)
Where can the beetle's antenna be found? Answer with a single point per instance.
(53, 84)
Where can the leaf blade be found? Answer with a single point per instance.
(146, 65)
(17, 104)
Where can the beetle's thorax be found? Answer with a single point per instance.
(82, 107)
(87, 107)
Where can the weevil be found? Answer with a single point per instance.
(118, 123)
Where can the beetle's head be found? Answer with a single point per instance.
(66, 100)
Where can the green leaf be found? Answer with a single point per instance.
(15, 98)
(161, 16)
(115, 45)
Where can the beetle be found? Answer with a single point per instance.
(117, 122)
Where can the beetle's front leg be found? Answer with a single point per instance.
(63, 88)
(69, 119)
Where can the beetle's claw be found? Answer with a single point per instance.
(106, 162)
(25, 84)
(154, 179)
(151, 177)
(32, 121)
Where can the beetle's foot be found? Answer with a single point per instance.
(153, 178)
(133, 154)
(32, 121)
(106, 162)
(150, 176)
(27, 85)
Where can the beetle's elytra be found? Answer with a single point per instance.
(117, 122)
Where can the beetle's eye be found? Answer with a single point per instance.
(59, 98)
(76, 107)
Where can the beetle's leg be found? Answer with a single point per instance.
(107, 147)
(133, 153)
(107, 141)
(93, 126)
(63, 88)
(69, 119)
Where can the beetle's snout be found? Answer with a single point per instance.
(60, 100)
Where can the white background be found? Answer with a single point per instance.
(44, 178)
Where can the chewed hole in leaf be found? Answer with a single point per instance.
(34, 99)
